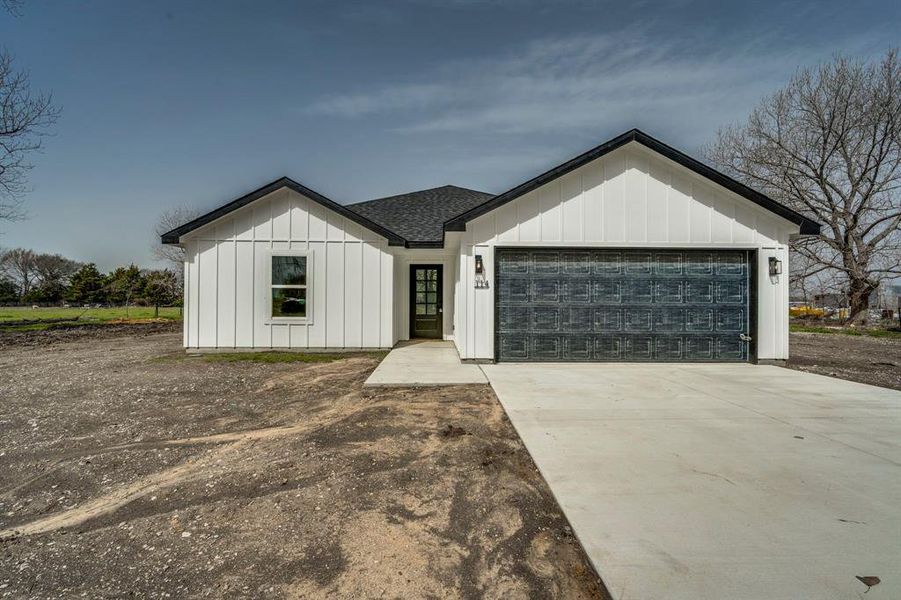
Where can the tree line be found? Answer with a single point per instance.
(28, 277)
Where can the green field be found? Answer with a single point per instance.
(80, 315)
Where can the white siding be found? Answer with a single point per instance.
(631, 197)
(351, 287)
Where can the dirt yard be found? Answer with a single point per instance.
(128, 469)
(876, 361)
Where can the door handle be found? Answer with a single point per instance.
(744, 337)
(440, 310)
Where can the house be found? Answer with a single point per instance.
(632, 251)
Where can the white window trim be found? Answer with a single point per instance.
(306, 320)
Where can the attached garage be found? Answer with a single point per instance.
(582, 304)
(630, 252)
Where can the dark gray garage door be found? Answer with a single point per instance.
(622, 305)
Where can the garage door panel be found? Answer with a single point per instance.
(607, 263)
(731, 292)
(513, 290)
(638, 263)
(513, 346)
(577, 291)
(608, 348)
(577, 348)
(668, 291)
(698, 319)
(578, 319)
(637, 319)
(669, 348)
(545, 290)
(669, 320)
(546, 318)
(698, 292)
(544, 262)
(622, 305)
(699, 264)
(608, 319)
(577, 263)
(547, 347)
(607, 292)
(639, 348)
(731, 319)
(668, 263)
(728, 348)
(514, 319)
(730, 263)
(699, 348)
(516, 262)
(638, 291)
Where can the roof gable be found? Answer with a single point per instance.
(807, 226)
(174, 236)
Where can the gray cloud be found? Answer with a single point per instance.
(564, 84)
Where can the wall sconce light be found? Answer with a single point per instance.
(480, 281)
(775, 266)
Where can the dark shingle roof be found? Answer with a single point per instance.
(419, 217)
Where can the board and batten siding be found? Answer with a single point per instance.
(350, 287)
(630, 198)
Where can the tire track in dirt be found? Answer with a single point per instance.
(184, 472)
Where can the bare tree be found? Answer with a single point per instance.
(13, 7)
(169, 220)
(25, 117)
(54, 270)
(829, 146)
(18, 265)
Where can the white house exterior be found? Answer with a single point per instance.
(632, 251)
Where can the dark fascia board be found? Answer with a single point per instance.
(808, 226)
(425, 244)
(174, 236)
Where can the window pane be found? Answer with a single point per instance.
(420, 274)
(420, 286)
(433, 286)
(431, 309)
(289, 270)
(289, 302)
(431, 298)
(420, 298)
(420, 309)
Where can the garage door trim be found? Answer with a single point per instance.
(752, 262)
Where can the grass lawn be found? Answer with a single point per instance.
(878, 333)
(26, 313)
(44, 318)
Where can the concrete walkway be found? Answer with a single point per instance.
(718, 481)
(424, 363)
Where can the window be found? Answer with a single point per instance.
(289, 286)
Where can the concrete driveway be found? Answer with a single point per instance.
(718, 481)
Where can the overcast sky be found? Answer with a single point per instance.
(196, 103)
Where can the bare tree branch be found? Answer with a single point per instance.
(14, 7)
(829, 146)
(25, 118)
(174, 255)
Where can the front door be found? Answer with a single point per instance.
(425, 301)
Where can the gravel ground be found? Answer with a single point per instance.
(129, 469)
(865, 359)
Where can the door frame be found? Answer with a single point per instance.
(439, 267)
(752, 256)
